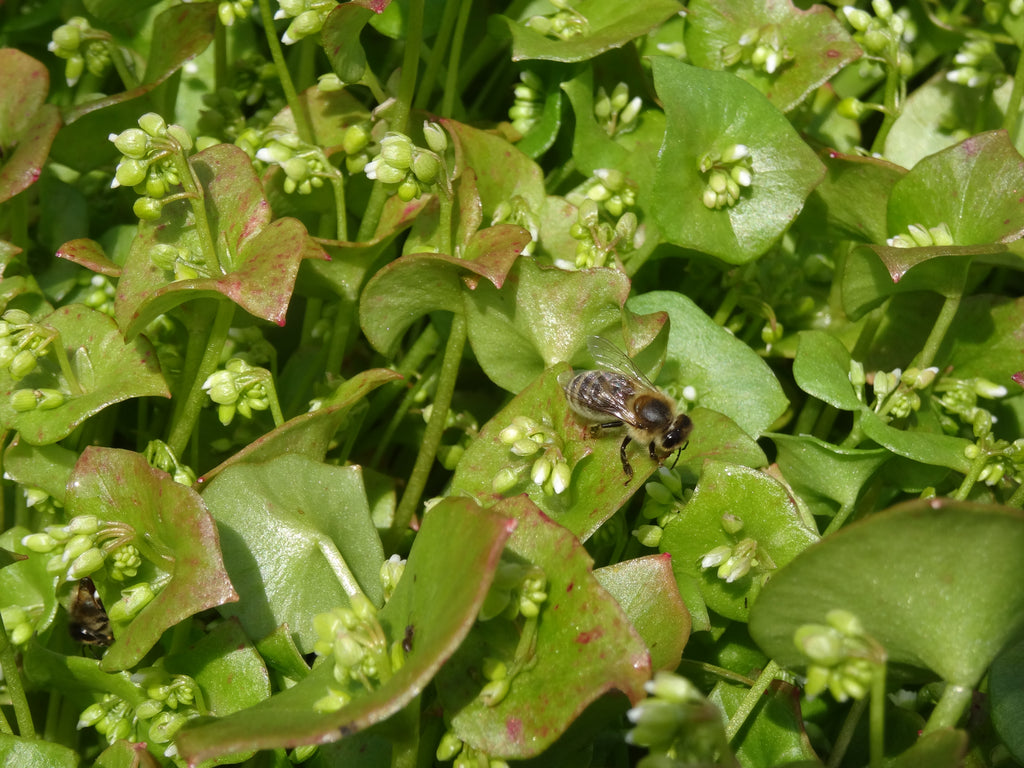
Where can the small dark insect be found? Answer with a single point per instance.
(407, 640)
(88, 621)
(620, 395)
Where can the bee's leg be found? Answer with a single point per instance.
(595, 429)
(654, 454)
(625, 462)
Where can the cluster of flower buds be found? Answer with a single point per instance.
(149, 162)
(356, 143)
(919, 236)
(464, 755)
(895, 392)
(528, 105)
(81, 47)
(80, 548)
(112, 717)
(996, 10)
(596, 240)
(355, 642)
(727, 174)
(530, 439)
(20, 622)
(160, 456)
(178, 260)
(841, 656)
(517, 590)
(762, 48)
(617, 113)
(407, 170)
(308, 17)
(230, 11)
(664, 501)
(304, 165)
(564, 24)
(22, 343)
(676, 723)
(881, 35)
(978, 65)
(239, 388)
(518, 211)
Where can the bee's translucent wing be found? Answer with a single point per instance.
(611, 358)
(565, 378)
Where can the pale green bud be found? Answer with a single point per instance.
(23, 400)
(436, 137)
(86, 563)
(153, 124)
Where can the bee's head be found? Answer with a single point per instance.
(675, 437)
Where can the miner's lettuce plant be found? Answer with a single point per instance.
(287, 293)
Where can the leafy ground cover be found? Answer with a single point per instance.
(291, 294)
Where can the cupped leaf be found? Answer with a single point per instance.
(768, 517)
(414, 285)
(310, 434)
(973, 188)
(107, 369)
(647, 592)
(607, 24)
(729, 377)
(297, 539)
(521, 327)
(903, 574)
(258, 258)
(436, 600)
(814, 45)
(708, 112)
(173, 531)
(180, 33)
(340, 39)
(27, 125)
(1006, 689)
(585, 646)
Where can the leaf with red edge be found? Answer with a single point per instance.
(108, 370)
(180, 33)
(585, 646)
(89, 254)
(27, 125)
(174, 532)
(259, 258)
(437, 601)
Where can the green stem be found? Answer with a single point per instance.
(400, 413)
(410, 67)
(739, 717)
(441, 40)
(118, 58)
(186, 420)
(302, 124)
(451, 83)
(950, 708)
(846, 732)
(435, 427)
(341, 220)
(15, 689)
(197, 201)
(876, 716)
(939, 328)
(971, 477)
(1011, 122)
(405, 736)
(840, 518)
(728, 304)
(892, 105)
(371, 216)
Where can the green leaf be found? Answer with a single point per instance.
(297, 540)
(903, 573)
(258, 258)
(89, 254)
(817, 42)
(927, 447)
(585, 646)
(993, 354)
(108, 370)
(775, 732)
(709, 112)
(179, 34)
(437, 600)
(26, 582)
(769, 517)
(27, 125)
(853, 197)
(944, 748)
(519, 328)
(18, 751)
(609, 24)
(647, 592)
(816, 469)
(173, 531)
(822, 369)
(340, 39)
(1006, 691)
(47, 467)
(729, 377)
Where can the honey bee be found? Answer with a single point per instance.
(87, 618)
(619, 395)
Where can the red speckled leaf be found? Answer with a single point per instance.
(89, 254)
(258, 258)
(27, 125)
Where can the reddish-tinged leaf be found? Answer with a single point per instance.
(89, 254)
(173, 531)
(27, 125)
